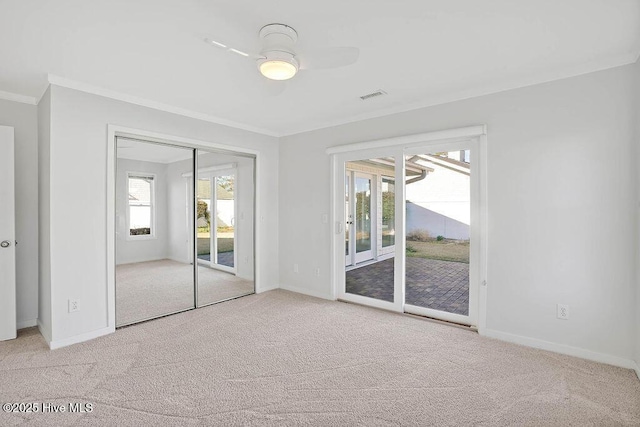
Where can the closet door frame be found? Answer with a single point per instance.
(115, 131)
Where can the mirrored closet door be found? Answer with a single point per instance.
(225, 231)
(154, 219)
(183, 239)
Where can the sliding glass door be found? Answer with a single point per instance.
(410, 232)
(438, 212)
(216, 219)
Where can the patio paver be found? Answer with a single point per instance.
(435, 284)
(224, 258)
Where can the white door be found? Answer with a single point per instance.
(359, 221)
(216, 248)
(348, 220)
(7, 237)
(363, 226)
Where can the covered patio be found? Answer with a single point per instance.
(430, 283)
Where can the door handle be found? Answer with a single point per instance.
(5, 244)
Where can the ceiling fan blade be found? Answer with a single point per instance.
(223, 46)
(332, 57)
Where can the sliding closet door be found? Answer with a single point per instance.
(225, 226)
(154, 223)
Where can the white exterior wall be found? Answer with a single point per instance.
(558, 228)
(440, 204)
(225, 212)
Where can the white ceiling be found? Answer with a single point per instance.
(421, 52)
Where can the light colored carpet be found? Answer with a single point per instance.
(154, 288)
(280, 358)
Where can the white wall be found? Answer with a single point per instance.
(180, 213)
(79, 148)
(44, 215)
(139, 250)
(23, 118)
(558, 205)
(637, 257)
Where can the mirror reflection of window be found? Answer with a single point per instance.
(140, 205)
(154, 248)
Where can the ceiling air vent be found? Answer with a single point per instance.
(373, 95)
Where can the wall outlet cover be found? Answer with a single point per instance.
(74, 305)
(563, 311)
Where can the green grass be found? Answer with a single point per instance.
(445, 250)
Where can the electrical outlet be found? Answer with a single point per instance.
(318, 272)
(325, 218)
(74, 305)
(563, 311)
(295, 268)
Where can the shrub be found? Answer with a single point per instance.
(203, 211)
(440, 238)
(419, 235)
(140, 231)
(411, 249)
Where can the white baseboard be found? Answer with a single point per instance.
(562, 349)
(80, 338)
(27, 323)
(305, 291)
(267, 289)
(637, 369)
(46, 334)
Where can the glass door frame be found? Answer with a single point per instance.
(472, 138)
(474, 241)
(339, 215)
(354, 257)
(211, 175)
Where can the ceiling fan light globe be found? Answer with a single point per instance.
(278, 70)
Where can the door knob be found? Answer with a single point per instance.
(5, 244)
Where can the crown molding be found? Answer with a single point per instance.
(16, 97)
(119, 96)
(591, 67)
(503, 86)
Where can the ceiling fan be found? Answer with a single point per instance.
(280, 60)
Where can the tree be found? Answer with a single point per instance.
(226, 182)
